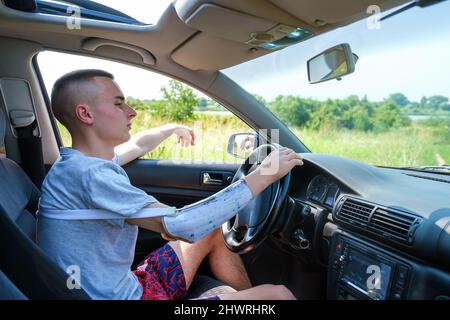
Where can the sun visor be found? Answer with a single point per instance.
(216, 53)
(228, 37)
(227, 24)
(323, 13)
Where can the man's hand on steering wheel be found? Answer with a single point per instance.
(275, 166)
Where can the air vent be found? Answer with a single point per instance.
(355, 212)
(389, 223)
(394, 224)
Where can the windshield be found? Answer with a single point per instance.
(394, 110)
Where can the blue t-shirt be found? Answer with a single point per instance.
(102, 250)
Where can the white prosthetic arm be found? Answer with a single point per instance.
(193, 222)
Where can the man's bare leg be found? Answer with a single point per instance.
(229, 268)
(262, 292)
(192, 255)
(225, 265)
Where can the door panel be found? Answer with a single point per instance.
(178, 184)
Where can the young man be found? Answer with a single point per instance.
(89, 212)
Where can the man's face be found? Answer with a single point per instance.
(112, 116)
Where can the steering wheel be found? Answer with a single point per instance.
(253, 223)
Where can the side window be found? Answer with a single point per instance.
(158, 100)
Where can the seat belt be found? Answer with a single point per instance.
(101, 214)
(30, 146)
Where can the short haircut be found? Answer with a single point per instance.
(71, 89)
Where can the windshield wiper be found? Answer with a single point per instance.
(417, 3)
(441, 169)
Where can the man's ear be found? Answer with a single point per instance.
(84, 113)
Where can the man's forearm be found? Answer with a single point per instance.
(143, 142)
(257, 182)
(149, 139)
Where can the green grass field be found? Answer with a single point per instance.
(408, 146)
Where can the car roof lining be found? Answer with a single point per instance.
(172, 35)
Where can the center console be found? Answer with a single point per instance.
(360, 271)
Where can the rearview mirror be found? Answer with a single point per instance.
(333, 63)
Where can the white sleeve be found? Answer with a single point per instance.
(195, 221)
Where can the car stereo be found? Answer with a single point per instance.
(360, 272)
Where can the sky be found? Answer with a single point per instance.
(147, 11)
(409, 53)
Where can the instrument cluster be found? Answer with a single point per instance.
(322, 190)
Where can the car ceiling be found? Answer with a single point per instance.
(205, 35)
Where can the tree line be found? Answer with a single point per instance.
(179, 103)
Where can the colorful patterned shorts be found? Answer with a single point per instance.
(162, 277)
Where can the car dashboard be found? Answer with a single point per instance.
(381, 233)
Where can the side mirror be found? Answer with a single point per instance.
(333, 63)
(241, 145)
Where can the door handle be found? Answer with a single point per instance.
(206, 179)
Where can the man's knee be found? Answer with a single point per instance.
(281, 292)
(215, 237)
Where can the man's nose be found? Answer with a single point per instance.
(131, 112)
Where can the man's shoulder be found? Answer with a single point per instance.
(82, 168)
(103, 170)
(78, 162)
